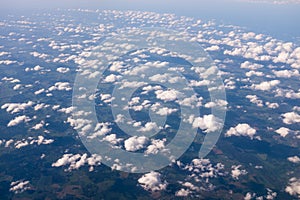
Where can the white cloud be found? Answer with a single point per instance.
(156, 146)
(76, 161)
(61, 86)
(152, 182)
(149, 126)
(241, 130)
(63, 69)
(135, 143)
(183, 192)
(236, 171)
(249, 65)
(291, 118)
(19, 186)
(169, 95)
(17, 120)
(283, 131)
(286, 73)
(294, 187)
(294, 159)
(212, 48)
(16, 107)
(209, 123)
(266, 85)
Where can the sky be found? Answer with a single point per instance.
(278, 18)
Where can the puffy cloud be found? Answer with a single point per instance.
(149, 126)
(209, 123)
(17, 120)
(111, 78)
(294, 159)
(254, 73)
(291, 118)
(283, 131)
(61, 86)
(266, 85)
(286, 73)
(156, 146)
(294, 187)
(76, 161)
(63, 69)
(152, 182)
(254, 99)
(169, 95)
(249, 65)
(272, 105)
(212, 48)
(236, 171)
(16, 107)
(135, 143)
(19, 186)
(241, 130)
(183, 192)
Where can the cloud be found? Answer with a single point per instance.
(156, 146)
(76, 161)
(241, 130)
(16, 107)
(294, 159)
(236, 171)
(208, 123)
(19, 186)
(63, 69)
(212, 48)
(135, 143)
(266, 85)
(283, 131)
(18, 120)
(152, 182)
(249, 65)
(169, 95)
(61, 86)
(294, 187)
(254, 99)
(286, 73)
(290, 118)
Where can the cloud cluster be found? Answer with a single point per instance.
(76, 161)
(152, 182)
(241, 130)
(19, 186)
(294, 187)
(236, 171)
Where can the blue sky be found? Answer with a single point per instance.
(278, 20)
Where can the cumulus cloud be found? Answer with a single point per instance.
(241, 130)
(294, 159)
(63, 69)
(249, 65)
(291, 118)
(286, 73)
(19, 186)
(283, 131)
(152, 182)
(169, 95)
(135, 143)
(76, 161)
(254, 99)
(294, 187)
(266, 85)
(236, 171)
(208, 123)
(17, 120)
(61, 86)
(16, 107)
